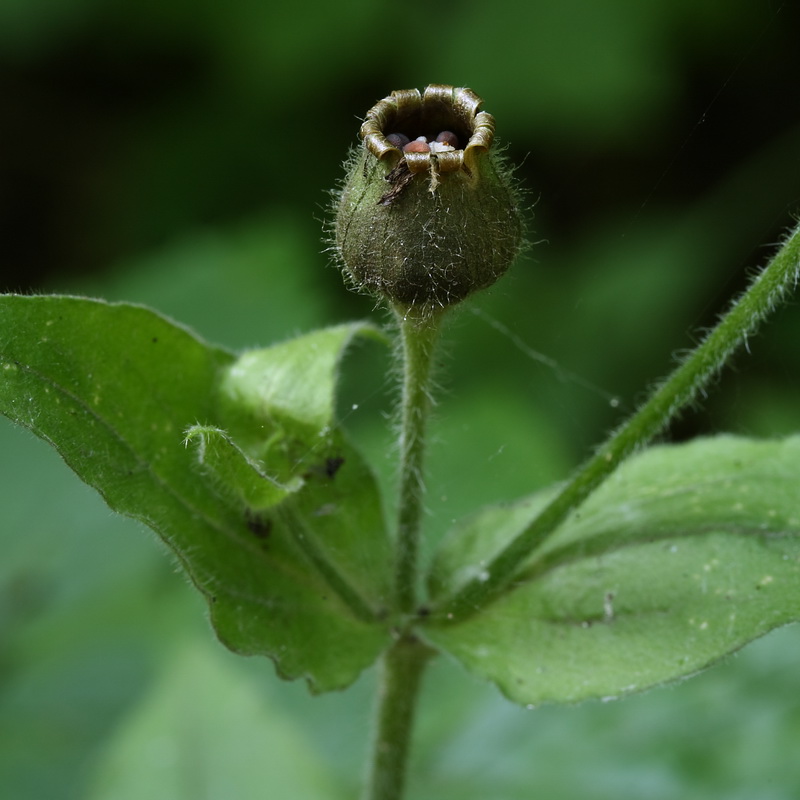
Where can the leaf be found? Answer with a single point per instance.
(684, 555)
(278, 406)
(291, 384)
(234, 472)
(115, 387)
(232, 744)
(470, 546)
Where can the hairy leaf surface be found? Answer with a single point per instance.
(115, 387)
(684, 555)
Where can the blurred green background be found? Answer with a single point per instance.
(179, 154)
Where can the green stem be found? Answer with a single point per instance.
(682, 386)
(402, 665)
(418, 336)
(401, 671)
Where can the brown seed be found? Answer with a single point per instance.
(417, 147)
(398, 140)
(448, 137)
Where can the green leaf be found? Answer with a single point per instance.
(115, 387)
(687, 553)
(278, 404)
(289, 386)
(234, 472)
(232, 744)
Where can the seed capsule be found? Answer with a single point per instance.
(427, 224)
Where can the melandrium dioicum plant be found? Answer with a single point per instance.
(648, 565)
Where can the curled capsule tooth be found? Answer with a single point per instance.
(398, 140)
(417, 146)
(448, 137)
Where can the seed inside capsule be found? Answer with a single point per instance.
(417, 146)
(448, 137)
(398, 140)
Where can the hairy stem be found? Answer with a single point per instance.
(402, 665)
(401, 671)
(418, 335)
(680, 388)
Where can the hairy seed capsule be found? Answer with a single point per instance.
(427, 224)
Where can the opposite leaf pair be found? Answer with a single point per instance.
(684, 555)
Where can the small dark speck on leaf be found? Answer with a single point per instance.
(332, 465)
(155, 340)
(260, 528)
(327, 468)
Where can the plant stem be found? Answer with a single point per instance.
(401, 671)
(679, 389)
(402, 665)
(419, 331)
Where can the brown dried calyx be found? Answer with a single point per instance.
(428, 213)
